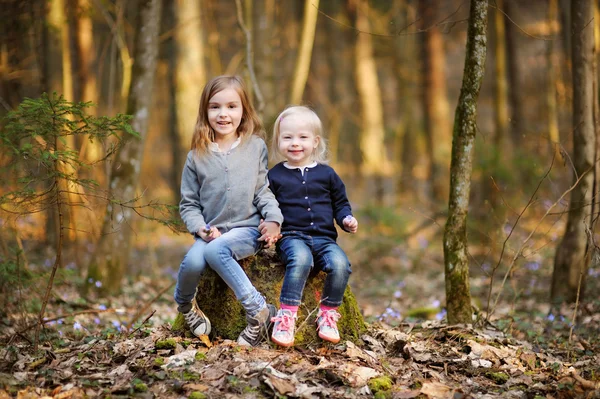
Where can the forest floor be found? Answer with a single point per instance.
(124, 347)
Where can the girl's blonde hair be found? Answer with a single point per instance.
(308, 115)
(250, 124)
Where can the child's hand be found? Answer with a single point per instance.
(350, 224)
(209, 233)
(271, 232)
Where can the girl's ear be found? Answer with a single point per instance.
(316, 141)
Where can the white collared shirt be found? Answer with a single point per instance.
(310, 165)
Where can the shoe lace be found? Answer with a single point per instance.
(329, 319)
(192, 318)
(252, 332)
(285, 321)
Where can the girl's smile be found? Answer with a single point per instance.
(225, 115)
(297, 141)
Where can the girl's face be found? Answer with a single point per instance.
(225, 114)
(297, 141)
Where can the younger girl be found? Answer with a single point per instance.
(311, 196)
(224, 196)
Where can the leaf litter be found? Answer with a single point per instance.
(427, 360)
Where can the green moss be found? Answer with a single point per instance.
(200, 356)
(383, 383)
(139, 386)
(159, 361)
(499, 378)
(197, 395)
(265, 271)
(168, 343)
(189, 376)
(422, 313)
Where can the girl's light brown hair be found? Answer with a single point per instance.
(249, 125)
(319, 155)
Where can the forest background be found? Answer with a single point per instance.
(385, 78)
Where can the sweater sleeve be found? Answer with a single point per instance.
(339, 200)
(264, 200)
(189, 206)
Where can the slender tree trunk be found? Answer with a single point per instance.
(572, 261)
(501, 116)
(406, 48)
(12, 34)
(517, 119)
(435, 104)
(112, 252)
(372, 130)
(178, 150)
(191, 69)
(300, 76)
(212, 39)
(553, 132)
(264, 21)
(456, 260)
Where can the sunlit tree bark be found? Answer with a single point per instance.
(456, 260)
(264, 24)
(372, 130)
(572, 256)
(553, 132)
(112, 251)
(191, 68)
(435, 104)
(305, 51)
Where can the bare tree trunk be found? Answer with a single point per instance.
(406, 48)
(517, 119)
(456, 261)
(176, 146)
(300, 76)
(112, 252)
(264, 21)
(572, 261)
(191, 70)
(12, 34)
(553, 131)
(372, 131)
(435, 103)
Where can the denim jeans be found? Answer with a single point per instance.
(221, 255)
(301, 252)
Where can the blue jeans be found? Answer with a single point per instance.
(301, 252)
(221, 255)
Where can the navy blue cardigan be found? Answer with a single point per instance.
(310, 203)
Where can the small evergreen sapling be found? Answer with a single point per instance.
(40, 167)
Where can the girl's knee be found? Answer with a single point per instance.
(192, 265)
(214, 252)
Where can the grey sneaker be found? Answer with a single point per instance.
(257, 329)
(197, 322)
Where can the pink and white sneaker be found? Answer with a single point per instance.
(327, 325)
(284, 328)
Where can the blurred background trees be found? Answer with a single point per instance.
(384, 75)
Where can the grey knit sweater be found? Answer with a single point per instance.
(228, 189)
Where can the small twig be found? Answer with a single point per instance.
(529, 202)
(147, 305)
(142, 323)
(490, 312)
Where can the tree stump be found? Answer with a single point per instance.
(266, 272)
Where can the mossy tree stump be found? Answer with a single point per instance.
(266, 272)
